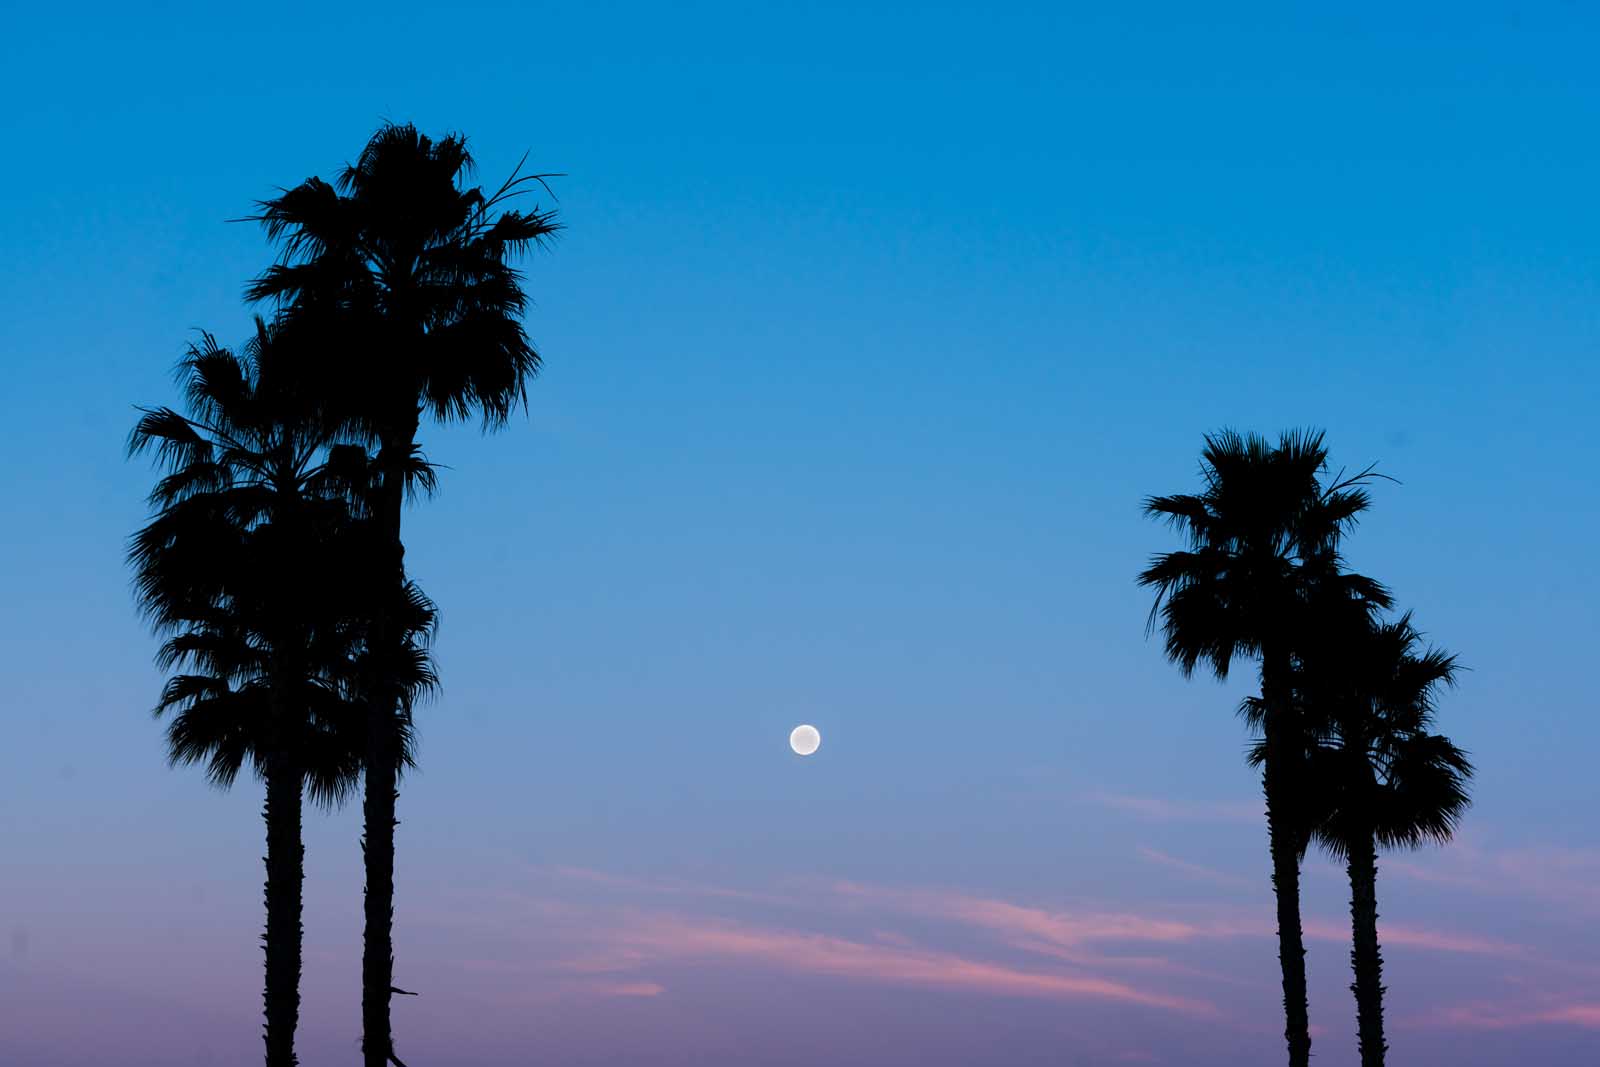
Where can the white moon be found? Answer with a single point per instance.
(804, 740)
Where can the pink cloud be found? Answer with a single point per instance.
(612, 944)
(1412, 937)
(603, 940)
(1487, 1016)
(1338, 932)
(625, 989)
(1034, 927)
(1059, 929)
(1068, 936)
(841, 957)
(1584, 1015)
(1564, 876)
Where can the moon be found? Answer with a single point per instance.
(804, 739)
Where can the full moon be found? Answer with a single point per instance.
(804, 740)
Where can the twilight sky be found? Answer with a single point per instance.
(871, 328)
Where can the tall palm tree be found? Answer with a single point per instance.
(1262, 531)
(403, 272)
(252, 566)
(1381, 778)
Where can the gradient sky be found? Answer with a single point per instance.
(871, 327)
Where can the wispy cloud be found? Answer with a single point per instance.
(600, 935)
(1557, 875)
(1413, 937)
(1028, 924)
(1032, 927)
(810, 953)
(626, 989)
(636, 936)
(1090, 939)
(1486, 1015)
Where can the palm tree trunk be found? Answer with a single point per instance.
(1283, 837)
(285, 861)
(381, 772)
(377, 847)
(1365, 957)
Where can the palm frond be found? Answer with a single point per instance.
(238, 567)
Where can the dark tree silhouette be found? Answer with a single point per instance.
(1378, 777)
(402, 273)
(252, 567)
(1263, 531)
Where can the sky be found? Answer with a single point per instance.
(869, 330)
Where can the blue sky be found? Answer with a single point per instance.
(870, 329)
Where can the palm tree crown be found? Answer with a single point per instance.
(1410, 785)
(1263, 527)
(401, 253)
(239, 565)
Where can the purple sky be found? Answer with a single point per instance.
(869, 332)
(1488, 944)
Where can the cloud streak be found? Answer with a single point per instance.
(591, 934)
(1497, 1016)
(1563, 876)
(1413, 937)
(809, 953)
(1023, 924)
(641, 937)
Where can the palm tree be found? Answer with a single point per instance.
(401, 273)
(1381, 778)
(1262, 532)
(251, 567)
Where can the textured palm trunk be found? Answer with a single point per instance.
(379, 801)
(377, 847)
(1365, 957)
(285, 862)
(1283, 837)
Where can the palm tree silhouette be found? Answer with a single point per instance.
(402, 274)
(252, 567)
(1261, 533)
(1378, 777)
